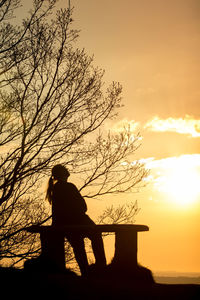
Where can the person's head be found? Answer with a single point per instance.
(58, 173)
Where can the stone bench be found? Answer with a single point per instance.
(52, 241)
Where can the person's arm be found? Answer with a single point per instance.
(80, 201)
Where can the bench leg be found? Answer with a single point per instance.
(53, 250)
(125, 249)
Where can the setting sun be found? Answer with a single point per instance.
(178, 178)
(182, 186)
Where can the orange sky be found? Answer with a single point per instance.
(152, 48)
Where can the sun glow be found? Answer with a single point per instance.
(182, 188)
(178, 178)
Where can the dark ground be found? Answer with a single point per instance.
(67, 285)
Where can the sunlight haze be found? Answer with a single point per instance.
(152, 48)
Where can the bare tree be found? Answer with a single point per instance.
(52, 105)
(7, 8)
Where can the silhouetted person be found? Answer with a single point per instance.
(69, 208)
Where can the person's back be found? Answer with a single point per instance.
(68, 206)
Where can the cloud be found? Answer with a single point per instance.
(158, 167)
(132, 125)
(129, 126)
(187, 125)
(184, 161)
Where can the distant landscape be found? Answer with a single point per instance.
(177, 278)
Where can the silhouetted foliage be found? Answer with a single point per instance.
(52, 104)
(121, 214)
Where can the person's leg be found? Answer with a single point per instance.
(98, 249)
(97, 243)
(78, 246)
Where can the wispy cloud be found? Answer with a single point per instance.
(183, 161)
(129, 126)
(187, 125)
(132, 125)
(159, 168)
